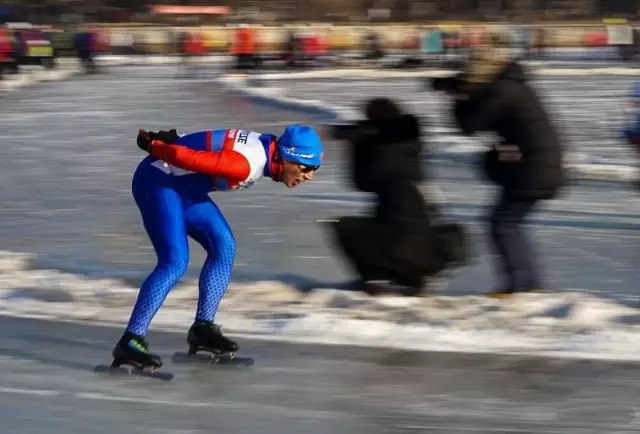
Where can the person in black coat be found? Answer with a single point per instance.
(493, 95)
(397, 244)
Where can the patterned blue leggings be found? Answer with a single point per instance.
(171, 211)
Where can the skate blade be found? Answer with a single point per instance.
(130, 371)
(213, 359)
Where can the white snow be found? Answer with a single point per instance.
(566, 324)
(68, 67)
(36, 74)
(365, 74)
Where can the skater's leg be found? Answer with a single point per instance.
(163, 217)
(207, 225)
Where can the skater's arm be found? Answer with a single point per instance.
(226, 163)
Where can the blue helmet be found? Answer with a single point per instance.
(301, 144)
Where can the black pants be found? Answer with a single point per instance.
(245, 61)
(379, 251)
(516, 257)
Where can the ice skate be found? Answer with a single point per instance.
(206, 336)
(131, 356)
(134, 350)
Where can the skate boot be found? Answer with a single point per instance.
(134, 350)
(205, 335)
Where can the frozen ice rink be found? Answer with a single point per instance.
(73, 246)
(47, 387)
(73, 249)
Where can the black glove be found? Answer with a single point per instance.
(146, 137)
(165, 136)
(144, 140)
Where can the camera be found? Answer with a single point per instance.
(445, 84)
(352, 131)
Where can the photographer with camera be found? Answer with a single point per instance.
(399, 245)
(492, 94)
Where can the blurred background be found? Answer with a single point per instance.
(143, 27)
(72, 246)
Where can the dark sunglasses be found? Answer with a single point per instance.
(307, 169)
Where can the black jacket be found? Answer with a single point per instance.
(386, 161)
(508, 106)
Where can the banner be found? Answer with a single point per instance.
(431, 42)
(620, 35)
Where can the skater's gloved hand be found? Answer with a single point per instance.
(144, 140)
(165, 136)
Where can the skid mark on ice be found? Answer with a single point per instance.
(227, 406)
(29, 392)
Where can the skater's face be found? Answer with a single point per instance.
(293, 174)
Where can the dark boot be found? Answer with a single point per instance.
(134, 350)
(205, 335)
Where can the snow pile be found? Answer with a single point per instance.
(161, 59)
(367, 73)
(570, 324)
(37, 75)
(66, 68)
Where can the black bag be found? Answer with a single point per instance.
(451, 244)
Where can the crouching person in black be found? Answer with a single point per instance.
(492, 94)
(397, 247)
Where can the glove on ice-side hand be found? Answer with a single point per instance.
(145, 138)
(165, 136)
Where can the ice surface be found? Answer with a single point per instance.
(69, 207)
(310, 389)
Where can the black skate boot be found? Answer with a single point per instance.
(134, 350)
(205, 335)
